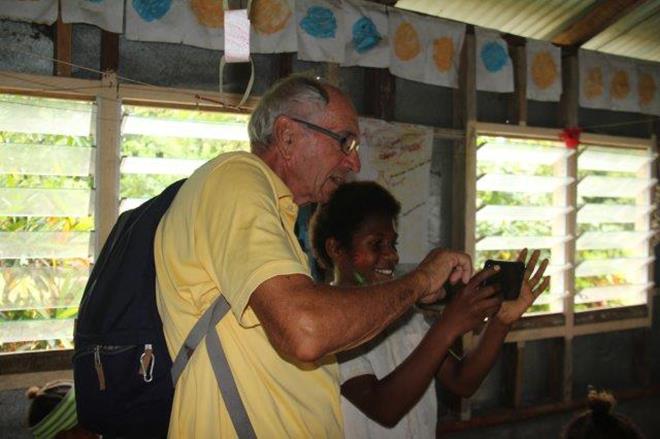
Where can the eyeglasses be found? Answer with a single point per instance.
(347, 142)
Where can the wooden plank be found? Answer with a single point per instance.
(599, 17)
(108, 129)
(109, 51)
(35, 361)
(63, 44)
(640, 358)
(284, 62)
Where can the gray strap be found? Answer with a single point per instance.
(229, 391)
(205, 326)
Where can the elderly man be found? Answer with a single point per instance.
(230, 231)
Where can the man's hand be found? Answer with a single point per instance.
(440, 266)
(472, 304)
(532, 287)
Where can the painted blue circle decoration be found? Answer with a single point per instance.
(365, 35)
(494, 56)
(150, 10)
(319, 22)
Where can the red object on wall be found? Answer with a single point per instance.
(571, 137)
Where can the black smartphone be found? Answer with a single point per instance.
(509, 278)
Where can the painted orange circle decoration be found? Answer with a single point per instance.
(270, 16)
(594, 83)
(209, 13)
(544, 70)
(406, 42)
(443, 53)
(646, 88)
(620, 87)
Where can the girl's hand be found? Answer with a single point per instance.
(532, 287)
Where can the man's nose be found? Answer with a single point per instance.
(354, 161)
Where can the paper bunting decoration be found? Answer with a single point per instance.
(367, 44)
(623, 85)
(273, 26)
(648, 88)
(398, 156)
(106, 14)
(320, 30)
(196, 22)
(494, 66)
(543, 71)
(425, 49)
(34, 11)
(594, 79)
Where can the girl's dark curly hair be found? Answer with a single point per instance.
(345, 212)
(599, 421)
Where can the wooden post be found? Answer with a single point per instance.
(568, 118)
(109, 52)
(518, 110)
(514, 362)
(63, 38)
(379, 93)
(106, 179)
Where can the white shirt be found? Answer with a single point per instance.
(380, 357)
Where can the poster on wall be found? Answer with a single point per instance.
(273, 26)
(648, 88)
(367, 42)
(543, 71)
(106, 14)
(34, 11)
(594, 79)
(398, 156)
(320, 30)
(196, 22)
(494, 66)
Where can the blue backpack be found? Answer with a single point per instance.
(124, 376)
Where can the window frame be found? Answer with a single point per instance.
(109, 95)
(565, 324)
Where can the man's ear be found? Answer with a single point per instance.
(334, 249)
(283, 136)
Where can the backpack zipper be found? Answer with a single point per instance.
(99, 367)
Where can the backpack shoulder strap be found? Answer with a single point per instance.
(205, 326)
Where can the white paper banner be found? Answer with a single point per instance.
(320, 30)
(399, 158)
(543, 71)
(595, 76)
(494, 66)
(273, 27)
(106, 14)
(196, 22)
(443, 47)
(367, 27)
(35, 11)
(648, 88)
(623, 85)
(407, 33)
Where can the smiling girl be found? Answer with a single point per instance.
(387, 383)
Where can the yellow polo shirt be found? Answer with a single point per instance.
(229, 229)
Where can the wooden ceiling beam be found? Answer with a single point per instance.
(601, 15)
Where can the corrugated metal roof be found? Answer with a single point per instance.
(636, 34)
(538, 19)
